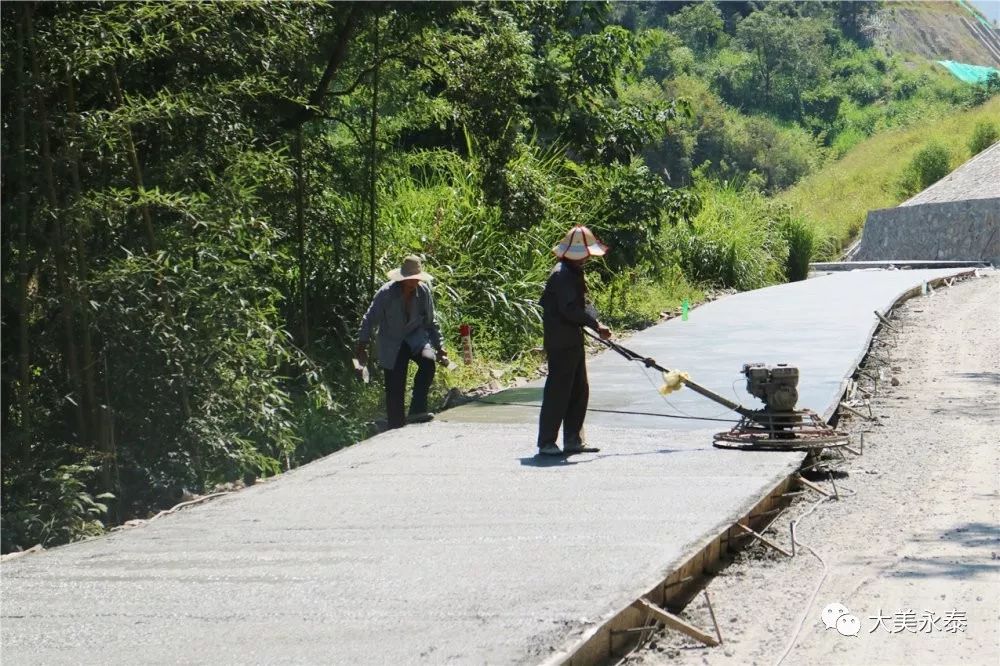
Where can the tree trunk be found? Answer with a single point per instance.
(300, 233)
(372, 158)
(83, 272)
(164, 299)
(24, 344)
(133, 156)
(68, 301)
(337, 56)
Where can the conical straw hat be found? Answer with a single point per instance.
(412, 269)
(579, 243)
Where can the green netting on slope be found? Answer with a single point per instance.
(969, 73)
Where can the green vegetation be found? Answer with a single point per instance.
(984, 135)
(836, 198)
(928, 166)
(740, 239)
(199, 199)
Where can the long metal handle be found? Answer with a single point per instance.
(651, 363)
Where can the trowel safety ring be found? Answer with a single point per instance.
(802, 431)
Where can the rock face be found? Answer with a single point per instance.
(956, 219)
(952, 231)
(938, 31)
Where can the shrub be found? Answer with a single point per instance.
(846, 140)
(730, 74)
(983, 136)
(781, 154)
(523, 195)
(699, 25)
(683, 60)
(50, 507)
(822, 104)
(928, 166)
(983, 92)
(691, 138)
(627, 206)
(656, 45)
(490, 274)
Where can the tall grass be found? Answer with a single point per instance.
(488, 274)
(801, 241)
(737, 240)
(490, 270)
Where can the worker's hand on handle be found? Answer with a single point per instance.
(442, 357)
(604, 332)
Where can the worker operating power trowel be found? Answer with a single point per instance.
(565, 313)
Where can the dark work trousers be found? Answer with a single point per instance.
(565, 399)
(395, 386)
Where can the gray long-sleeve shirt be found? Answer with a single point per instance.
(387, 313)
(565, 310)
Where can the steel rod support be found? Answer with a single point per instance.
(764, 540)
(708, 602)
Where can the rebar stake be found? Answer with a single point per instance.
(711, 612)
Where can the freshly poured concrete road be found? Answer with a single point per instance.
(450, 542)
(822, 326)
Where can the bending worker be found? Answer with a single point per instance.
(403, 312)
(565, 311)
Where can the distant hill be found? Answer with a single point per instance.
(941, 31)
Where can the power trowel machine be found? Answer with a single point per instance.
(779, 426)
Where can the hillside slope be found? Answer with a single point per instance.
(936, 31)
(837, 197)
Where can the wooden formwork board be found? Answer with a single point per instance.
(617, 636)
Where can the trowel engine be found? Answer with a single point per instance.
(776, 387)
(779, 425)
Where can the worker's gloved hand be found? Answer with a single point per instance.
(604, 332)
(362, 354)
(442, 357)
(650, 362)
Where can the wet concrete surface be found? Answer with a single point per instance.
(450, 541)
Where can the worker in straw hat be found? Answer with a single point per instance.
(403, 312)
(565, 311)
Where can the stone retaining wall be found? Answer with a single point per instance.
(950, 231)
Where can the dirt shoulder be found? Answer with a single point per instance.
(915, 537)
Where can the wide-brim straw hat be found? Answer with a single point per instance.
(580, 243)
(412, 269)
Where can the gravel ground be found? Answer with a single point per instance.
(914, 538)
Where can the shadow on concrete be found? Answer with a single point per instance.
(970, 408)
(550, 461)
(929, 567)
(638, 453)
(557, 461)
